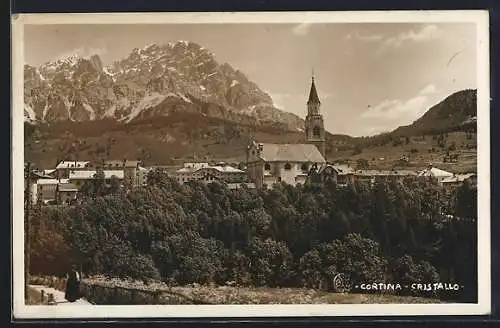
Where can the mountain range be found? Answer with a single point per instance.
(156, 80)
(174, 102)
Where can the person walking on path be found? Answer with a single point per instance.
(73, 285)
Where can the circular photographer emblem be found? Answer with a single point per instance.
(341, 283)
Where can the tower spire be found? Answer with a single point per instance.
(313, 94)
(314, 126)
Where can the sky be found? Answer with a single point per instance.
(370, 77)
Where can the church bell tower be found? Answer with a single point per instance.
(315, 130)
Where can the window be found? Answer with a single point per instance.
(317, 131)
(288, 166)
(304, 167)
(279, 179)
(267, 167)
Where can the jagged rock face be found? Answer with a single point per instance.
(154, 80)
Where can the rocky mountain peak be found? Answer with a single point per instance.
(153, 80)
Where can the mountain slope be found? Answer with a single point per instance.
(451, 114)
(151, 81)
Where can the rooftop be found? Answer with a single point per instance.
(194, 167)
(341, 169)
(89, 174)
(385, 172)
(304, 153)
(67, 187)
(72, 164)
(434, 172)
(313, 94)
(458, 178)
(121, 163)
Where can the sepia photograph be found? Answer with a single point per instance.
(250, 164)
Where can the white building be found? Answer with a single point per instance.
(434, 172)
(268, 163)
(45, 190)
(458, 179)
(79, 177)
(64, 167)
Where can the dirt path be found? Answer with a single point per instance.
(59, 296)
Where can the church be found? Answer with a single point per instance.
(269, 163)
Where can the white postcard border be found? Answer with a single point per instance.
(483, 306)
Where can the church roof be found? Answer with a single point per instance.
(313, 94)
(291, 153)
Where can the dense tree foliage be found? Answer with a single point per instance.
(406, 231)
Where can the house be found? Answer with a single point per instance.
(435, 173)
(225, 173)
(269, 163)
(141, 176)
(373, 176)
(64, 167)
(248, 185)
(458, 179)
(45, 190)
(340, 174)
(129, 167)
(66, 193)
(210, 173)
(79, 177)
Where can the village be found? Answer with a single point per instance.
(266, 164)
(62, 184)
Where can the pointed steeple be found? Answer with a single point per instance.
(314, 126)
(313, 94)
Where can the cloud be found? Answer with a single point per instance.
(366, 37)
(428, 90)
(301, 29)
(399, 112)
(425, 33)
(397, 109)
(392, 113)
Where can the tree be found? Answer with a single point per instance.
(466, 201)
(270, 261)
